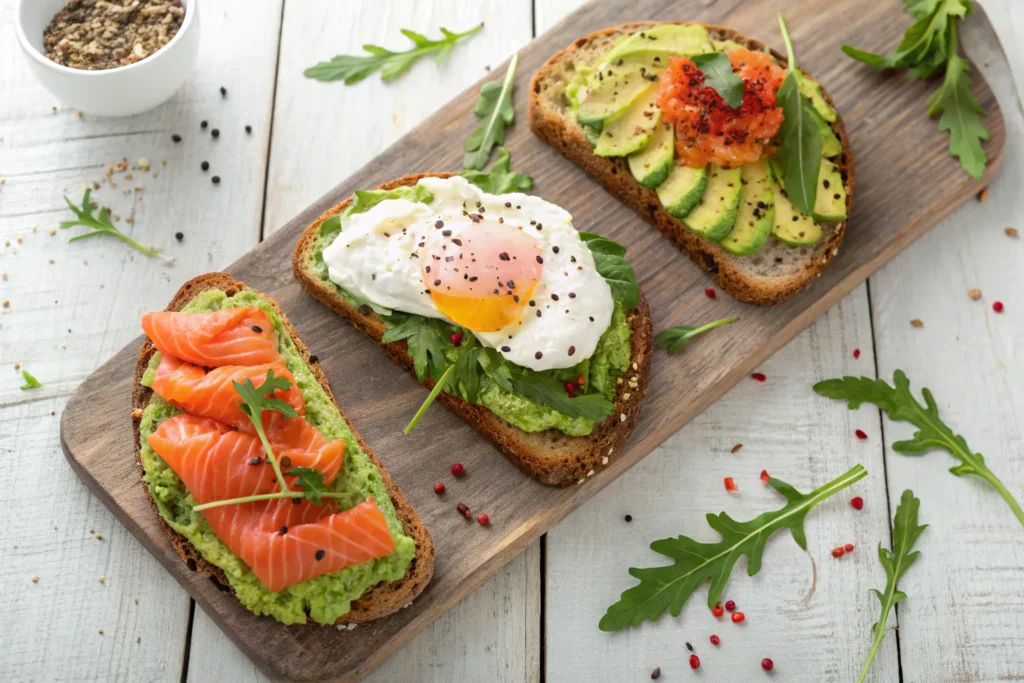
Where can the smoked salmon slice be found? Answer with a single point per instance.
(282, 541)
(234, 336)
(212, 394)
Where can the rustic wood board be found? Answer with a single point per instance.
(906, 182)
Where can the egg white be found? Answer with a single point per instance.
(377, 257)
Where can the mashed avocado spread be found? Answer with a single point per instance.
(324, 598)
(610, 359)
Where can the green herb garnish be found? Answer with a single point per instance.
(901, 406)
(30, 381)
(427, 339)
(100, 225)
(495, 107)
(611, 264)
(929, 43)
(675, 338)
(719, 76)
(799, 150)
(500, 179)
(670, 587)
(897, 561)
(354, 68)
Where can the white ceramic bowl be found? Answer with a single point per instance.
(121, 91)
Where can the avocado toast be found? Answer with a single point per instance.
(356, 593)
(735, 220)
(541, 441)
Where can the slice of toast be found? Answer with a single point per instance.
(773, 274)
(551, 457)
(378, 601)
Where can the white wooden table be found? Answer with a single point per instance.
(72, 306)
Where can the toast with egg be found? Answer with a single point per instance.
(376, 602)
(550, 457)
(772, 274)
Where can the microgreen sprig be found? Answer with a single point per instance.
(255, 400)
(100, 224)
(675, 338)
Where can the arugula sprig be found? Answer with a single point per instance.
(30, 381)
(670, 587)
(500, 179)
(896, 562)
(257, 399)
(495, 108)
(675, 338)
(799, 150)
(354, 68)
(900, 405)
(720, 77)
(930, 43)
(100, 225)
(610, 261)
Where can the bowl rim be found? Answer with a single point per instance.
(40, 58)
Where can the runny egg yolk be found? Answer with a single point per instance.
(483, 277)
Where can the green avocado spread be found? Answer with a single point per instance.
(324, 598)
(610, 359)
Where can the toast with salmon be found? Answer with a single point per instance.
(581, 103)
(549, 456)
(194, 390)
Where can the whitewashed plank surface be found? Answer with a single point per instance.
(322, 133)
(68, 316)
(964, 620)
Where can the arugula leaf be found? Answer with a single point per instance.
(609, 259)
(961, 116)
(675, 338)
(495, 107)
(427, 339)
(500, 179)
(496, 369)
(930, 43)
(901, 406)
(101, 225)
(256, 399)
(551, 392)
(719, 76)
(799, 150)
(439, 386)
(354, 68)
(669, 587)
(310, 482)
(466, 378)
(896, 562)
(30, 381)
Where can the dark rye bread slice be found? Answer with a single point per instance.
(775, 273)
(551, 457)
(380, 600)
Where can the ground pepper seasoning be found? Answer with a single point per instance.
(105, 34)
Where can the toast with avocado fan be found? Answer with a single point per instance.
(751, 260)
(550, 456)
(376, 601)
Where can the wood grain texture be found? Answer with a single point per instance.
(72, 305)
(883, 114)
(308, 155)
(964, 618)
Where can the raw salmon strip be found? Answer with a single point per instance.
(281, 541)
(234, 336)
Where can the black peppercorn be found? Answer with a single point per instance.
(216, 180)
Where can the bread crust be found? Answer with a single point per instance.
(378, 601)
(727, 270)
(550, 457)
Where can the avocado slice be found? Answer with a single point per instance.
(652, 164)
(682, 189)
(665, 39)
(812, 91)
(756, 214)
(726, 45)
(715, 213)
(790, 225)
(631, 131)
(830, 201)
(614, 88)
(830, 145)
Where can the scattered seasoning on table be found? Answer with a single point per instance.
(103, 579)
(737, 617)
(248, 129)
(216, 180)
(710, 293)
(439, 488)
(482, 519)
(997, 306)
(458, 469)
(205, 165)
(463, 510)
(176, 138)
(718, 610)
(215, 132)
(93, 35)
(838, 551)
(765, 476)
(983, 195)
(759, 376)
(100, 631)
(628, 518)
(204, 124)
(848, 547)
(1011, 232)
(223, 91)
(861, 434)
(857, 503)
(975, 293)
(730, 485)
(689, 647)
(656, 674)
(736, 448)
(916, 322)
(856, 354)
(179, 236)
(715, 640)
(767, 664)
(694, 662)
(35, 579)
(730, 605)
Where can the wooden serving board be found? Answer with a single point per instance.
(906, 182)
